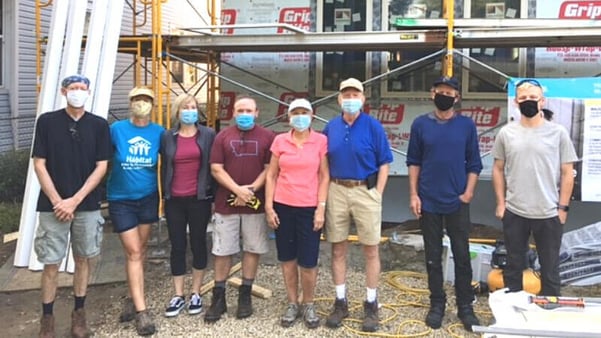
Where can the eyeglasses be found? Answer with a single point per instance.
(73, 130)
(529, 81)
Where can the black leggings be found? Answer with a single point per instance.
(183, 213)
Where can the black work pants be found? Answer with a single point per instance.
(458, 226)
(547, 234)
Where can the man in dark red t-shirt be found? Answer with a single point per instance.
(239, 159)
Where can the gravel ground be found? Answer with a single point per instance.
(401, 295)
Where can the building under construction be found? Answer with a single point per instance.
(279, 50)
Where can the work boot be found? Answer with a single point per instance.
(144, 323)
(467, 317)
(218, 305)
(128, 311)
(245, 306)
(340, 312)
(370, 319)
(435, 315)
(79, 328)
(47, 326)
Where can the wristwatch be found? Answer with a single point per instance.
(563, 207)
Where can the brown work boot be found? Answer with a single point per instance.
(340, 312)
(144, 323)
(218, 305)
(245, 306)
(47, 326)
(371, 320)
(79, 329)
(128, 312)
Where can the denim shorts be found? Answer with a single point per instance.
(128, 214)
(295, 238)
(52, 236)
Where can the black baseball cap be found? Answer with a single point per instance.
(446, 80)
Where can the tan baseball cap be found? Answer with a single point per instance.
(137, 91)
(351, 83)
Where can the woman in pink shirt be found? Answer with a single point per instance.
(296, 188)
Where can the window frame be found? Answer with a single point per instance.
(464, 62)
(465, 73)
(319, 56)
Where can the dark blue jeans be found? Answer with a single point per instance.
(183, 213)
(458, 227)
(547, 237)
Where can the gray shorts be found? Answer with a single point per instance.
(52, 236)
(227, 231)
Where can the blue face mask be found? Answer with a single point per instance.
(189, 116)
(351, 106)
(245, 121)
(300, 122)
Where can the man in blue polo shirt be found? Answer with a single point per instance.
(359, 156)
(444, 163)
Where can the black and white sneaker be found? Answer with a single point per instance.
(175, 306)
(195, 304)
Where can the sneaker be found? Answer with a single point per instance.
(218, 305)
(245, 307)
(128, 313)
(290, 315)
(79, 328)
(195, 305)
(47, 326)
(340, 312)
(310, 316)
(435, 315)
(371, 320)
(467, 317)
(175, 306)
(144, 323)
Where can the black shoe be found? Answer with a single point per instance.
(371, 320)
(340, 312)
(218, 305)
(435, 315)
(245, 306)
(467, 317)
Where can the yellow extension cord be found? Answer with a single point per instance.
(407, 296)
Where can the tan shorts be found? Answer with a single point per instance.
(228, 229)
(358, 204)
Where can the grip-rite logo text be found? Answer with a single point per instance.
(580, 10)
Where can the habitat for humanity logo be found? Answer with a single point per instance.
(139, 149)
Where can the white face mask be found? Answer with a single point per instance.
(77, 98)
(141, 108)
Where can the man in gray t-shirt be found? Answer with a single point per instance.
(533, 180)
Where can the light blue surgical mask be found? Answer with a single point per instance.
(245, 121)
(351, 106)
(300, 122)
(188, 116)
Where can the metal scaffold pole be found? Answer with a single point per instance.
(448, 59)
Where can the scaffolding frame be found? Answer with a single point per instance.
(205, 44)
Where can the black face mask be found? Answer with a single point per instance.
(443, 102)
(529, 108)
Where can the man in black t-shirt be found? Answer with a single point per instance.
(70, 154)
